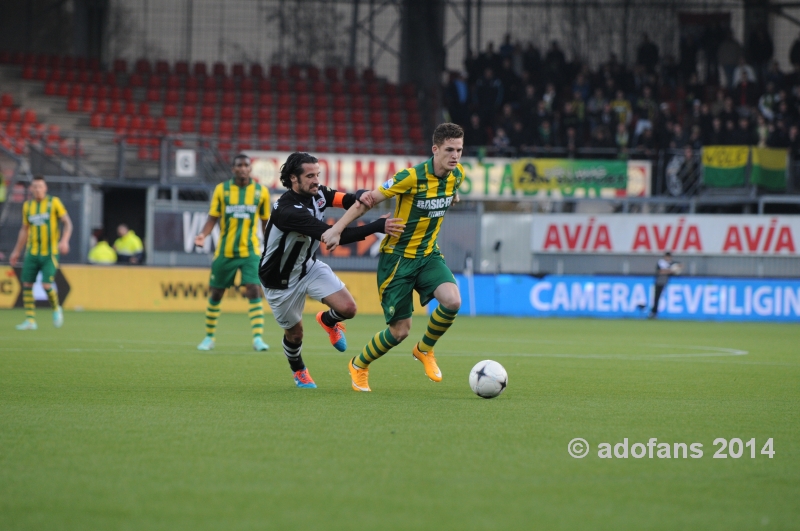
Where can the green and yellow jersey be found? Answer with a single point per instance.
(422, 200)
(41, 218)
(238, 210)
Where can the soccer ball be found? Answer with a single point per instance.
(488, 379)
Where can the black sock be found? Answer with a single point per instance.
(292, 353)
(330, 318)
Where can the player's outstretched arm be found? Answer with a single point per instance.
(366, 202)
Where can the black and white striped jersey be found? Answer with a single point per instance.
(293, 234)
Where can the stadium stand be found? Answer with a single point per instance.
(289, 108)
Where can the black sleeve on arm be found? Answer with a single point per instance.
(356, 234)
(291, 219)
(350, 199)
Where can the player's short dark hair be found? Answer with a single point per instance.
(294, 166)
(239, 156)
(38, 178)
(446, 131)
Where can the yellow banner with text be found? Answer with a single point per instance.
(170, 289)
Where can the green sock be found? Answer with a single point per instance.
(256, 313)
(377, 347)
(440, 321)
(212, 314)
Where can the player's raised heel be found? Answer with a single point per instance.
(429, 362)
(259, 345)
(206, 344)
(335, 334)
(27, 324)
(303, 380)
(359, 377)
(58, 317)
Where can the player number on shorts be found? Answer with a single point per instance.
(735, 448)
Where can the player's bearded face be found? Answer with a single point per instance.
(308, 182)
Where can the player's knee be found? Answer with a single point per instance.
(400, 331)
(452, 301)
(46, 286)
(294, 336)
(348, 311)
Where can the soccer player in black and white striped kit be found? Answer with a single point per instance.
(289, 269)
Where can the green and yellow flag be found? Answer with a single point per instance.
(724, 166)
(769, 168)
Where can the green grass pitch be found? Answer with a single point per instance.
(116, 422)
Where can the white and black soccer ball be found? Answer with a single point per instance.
(488, 379)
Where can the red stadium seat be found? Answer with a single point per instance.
(226, 129)
(300, 87)
(206, 128)
(191, 83)
(245, 130)
(321, 101)
(110, 121)
(358, 116)
(339, 116)
(228, 84)
(142, 66)
(162, 68)
(88, 105)
(172, 96)
(284, 114)
(103, 92)
(246, 113)
(321, 131)
(358, 101)
(248, 98)
(73, 104)
(340, 102)
(182, 68)
(6, 100)
(189, 111)
(302, 115)
(282, 86)
(144, 109)
(284, 100)
(96, 120)
(283, 129)
(154, 82)
(228, 98)
(256, 71)
(130, 108)
(207, 112)
(209, 98)
(135, 80)
(209, 84)
(103, 106)
(237, 70)
(120, 65)
(200, 69)
(321, 115)
(190, 97)
(29, 116)
(264, 85)
(275, 71)
(302, 100)
(350, 74)
(170, 110)
(265, 99)
(226, 113)
(173, 82)
(247, 85)
(331, 74)
(153, 95)
(264, 114)
(263, 130)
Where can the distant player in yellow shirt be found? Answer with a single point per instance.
(40, 237)
(238, 205)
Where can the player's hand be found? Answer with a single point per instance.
(13, 258)
(366, 199)
(63, 248)
(331, 239)
(456, 197)
(200, 240)
(394, 226)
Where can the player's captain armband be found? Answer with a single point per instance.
(388, 184)
(337, 199)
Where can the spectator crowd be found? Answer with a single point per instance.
(518, 100)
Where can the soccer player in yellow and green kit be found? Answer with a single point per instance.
(412, 261)
(40, 218)
(238, 204)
